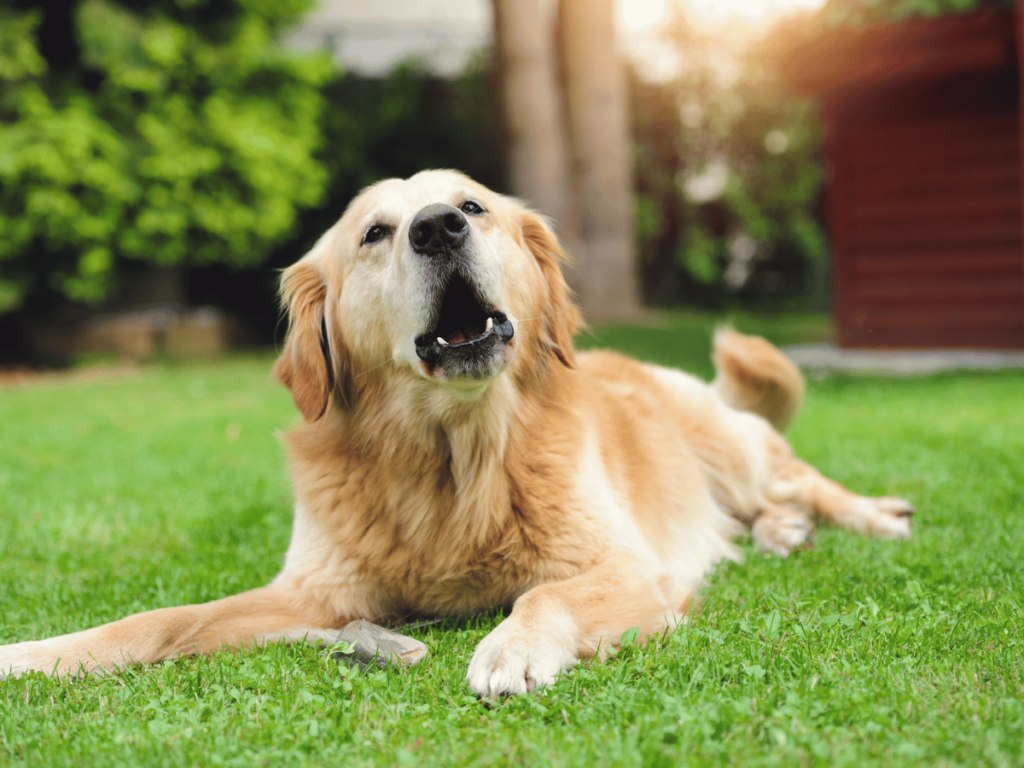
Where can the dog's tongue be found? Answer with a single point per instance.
(464, 334)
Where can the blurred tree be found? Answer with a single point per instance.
(174, 132)
(537, 150)
(578, 174)
(598, 127)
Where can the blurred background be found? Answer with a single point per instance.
(854, 161)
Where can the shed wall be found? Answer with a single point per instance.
(926, 213)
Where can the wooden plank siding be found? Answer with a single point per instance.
(925, 183)
(933, 253)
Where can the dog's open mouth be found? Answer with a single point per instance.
(466, 335)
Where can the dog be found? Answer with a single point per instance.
(456, 454)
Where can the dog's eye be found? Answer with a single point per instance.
(375, 234)
(472, 208)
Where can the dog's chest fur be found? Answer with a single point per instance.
(444, 534)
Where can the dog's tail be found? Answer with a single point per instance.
(753, 375)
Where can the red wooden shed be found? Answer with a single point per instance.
(924, 153)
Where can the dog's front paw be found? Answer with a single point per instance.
(31, 656)
(890, 517)
(512, 660)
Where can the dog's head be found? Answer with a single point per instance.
(435, 279)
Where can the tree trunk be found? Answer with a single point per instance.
(596, 109)
(539, 158)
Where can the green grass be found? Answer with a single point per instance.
(168, 486)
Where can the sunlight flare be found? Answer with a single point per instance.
(639, 16)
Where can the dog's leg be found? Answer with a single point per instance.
(801, 484)
(554, 625)
(259, 616)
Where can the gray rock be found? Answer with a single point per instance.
(373, 644)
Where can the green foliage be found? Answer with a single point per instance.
(409, 121)
(755, 232)
(701, 255)
(168, 141)
(18, 56)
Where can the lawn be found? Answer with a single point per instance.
(121, 493)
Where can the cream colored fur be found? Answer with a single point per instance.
(589, 493)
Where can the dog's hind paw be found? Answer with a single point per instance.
(511, 661)
(780, 530)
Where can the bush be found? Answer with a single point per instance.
(172, 133)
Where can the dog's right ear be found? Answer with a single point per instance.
(305, 365)
(561, 318)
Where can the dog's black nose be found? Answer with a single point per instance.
(438, 228)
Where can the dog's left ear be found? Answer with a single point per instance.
(305, 365)
(561, 318)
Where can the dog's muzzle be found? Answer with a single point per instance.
(468, 336)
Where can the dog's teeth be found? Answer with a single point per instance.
(490, 324)
(442, 342)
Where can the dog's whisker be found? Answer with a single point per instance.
(547, 316)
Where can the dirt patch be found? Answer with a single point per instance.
(21, 376)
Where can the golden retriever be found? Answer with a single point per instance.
(457, 454)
